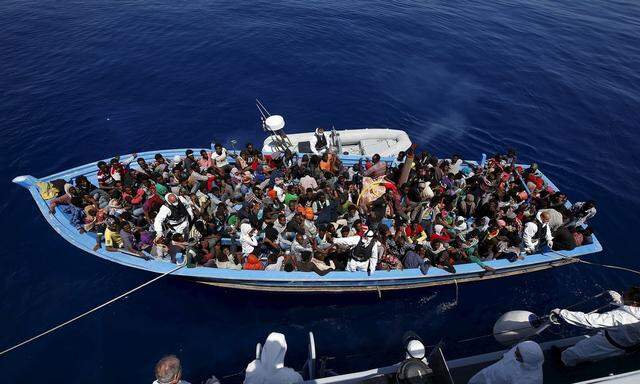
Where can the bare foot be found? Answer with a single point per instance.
(96, 247)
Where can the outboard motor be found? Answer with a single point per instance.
(418, 366)
(414, 371)
(515, 326)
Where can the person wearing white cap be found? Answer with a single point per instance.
(364, 252)
(521, 365)
(176, 160)
(174, 216)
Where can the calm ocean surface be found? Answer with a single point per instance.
(84, 80)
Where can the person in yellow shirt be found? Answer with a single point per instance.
(112, 238)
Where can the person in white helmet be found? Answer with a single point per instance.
(521, 365)
(364, 251)
(269, 368)
(619, 329)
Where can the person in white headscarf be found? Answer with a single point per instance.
(248, 239)
(521, 365)
(483, 224)
(460, 225)
(176, 160)
(426, 193)
(364, 252)
(279, 189)
(269, 368)
(174, 216)
(619, 329)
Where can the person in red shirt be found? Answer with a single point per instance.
(152, 205)
(440, 234)
(105, 181)
(359, 227)
(414, 230)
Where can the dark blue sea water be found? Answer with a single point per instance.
(84, 80)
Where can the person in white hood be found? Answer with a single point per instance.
(248, 239)
(319, 142)
(364, 252)
(521, 365)
(269, 368)
(536, 230)
(619, 329)
(174, 216)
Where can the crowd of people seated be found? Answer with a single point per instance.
(299, 212)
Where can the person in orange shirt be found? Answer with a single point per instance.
(253, 263)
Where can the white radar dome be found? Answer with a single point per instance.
(274, 123)
(514, 326)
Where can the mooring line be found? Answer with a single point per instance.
(50, 330)
(579, 260)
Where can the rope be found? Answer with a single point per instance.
(585, 300)
(596, 264)
(233, 374)
(27, 341)
(609, 266)
(541, 327)
(541, 318)
(456, 281)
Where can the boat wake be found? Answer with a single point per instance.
(446, 306)
(426, 299)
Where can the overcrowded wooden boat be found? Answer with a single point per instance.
(295, 281)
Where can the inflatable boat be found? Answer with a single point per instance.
(347, 142)
(336, 281)
(356, 142)
(428, 364)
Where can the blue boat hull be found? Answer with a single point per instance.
(337, 281)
